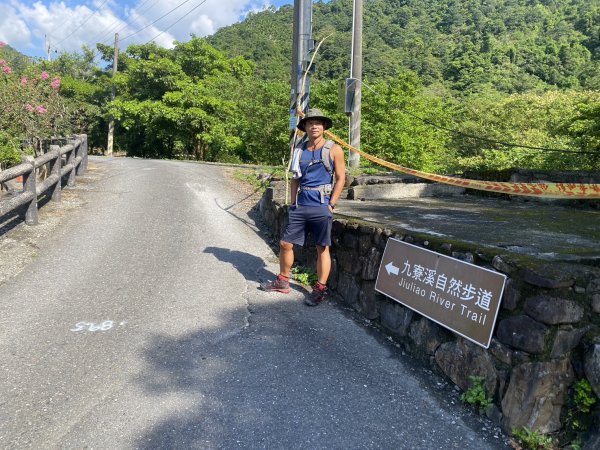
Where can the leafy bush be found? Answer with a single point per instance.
(579, 416)
(31, 109)
(304, 276)
(10, 153)
(477, 395)
(555, 120)
(533, 440)
(30, 106)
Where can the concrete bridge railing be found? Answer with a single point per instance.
(66, 160)
(546, 339)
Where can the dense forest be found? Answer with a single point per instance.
(449, 86)
(466, 45)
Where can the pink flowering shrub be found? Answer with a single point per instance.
(31, 108)
(5, 67)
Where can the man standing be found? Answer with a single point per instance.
(315, 167)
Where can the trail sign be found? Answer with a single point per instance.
(457, 295)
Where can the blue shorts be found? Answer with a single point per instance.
(302, 219)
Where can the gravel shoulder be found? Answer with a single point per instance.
(20, 244)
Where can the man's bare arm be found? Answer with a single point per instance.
(340, 173)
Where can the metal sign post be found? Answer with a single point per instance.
(457, 295)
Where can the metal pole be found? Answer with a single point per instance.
(47, 44)
(302, 44)
(295, 64)
(306, 45)
(111, 121)
(356, 74)
(301, 47)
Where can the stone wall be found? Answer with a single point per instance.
(547, 335)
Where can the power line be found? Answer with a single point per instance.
(178, 20)
(152, 23)
(472, 136)
(170, 26)
(82, 23)
(104, 36)
(112, 29)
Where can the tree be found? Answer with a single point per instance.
(551, 120)
(584, 128)
(182, 102)
(31, 108)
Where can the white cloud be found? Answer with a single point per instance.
(13, 29)
(203, 26)
(73, 23)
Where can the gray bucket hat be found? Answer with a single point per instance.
(315, 114)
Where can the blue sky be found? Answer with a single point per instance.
(31, 26)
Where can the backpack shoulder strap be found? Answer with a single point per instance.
(299, 148)
(326, 155)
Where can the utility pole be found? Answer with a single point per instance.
(47, 44)
(294, 66)
(301, 47)
(356, 75)
(111, 121)
(302, 44)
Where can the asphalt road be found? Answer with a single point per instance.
(137, 323)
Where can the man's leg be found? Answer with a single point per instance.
(319, 291)
(286, 258)
(320, 225)
(323, 264)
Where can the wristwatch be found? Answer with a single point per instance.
(332, 205)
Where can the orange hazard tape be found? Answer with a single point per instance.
(545, 190)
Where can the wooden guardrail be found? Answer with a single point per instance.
(69, 160)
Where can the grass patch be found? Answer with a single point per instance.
(304, 276)
(258, 178)
(368, 168)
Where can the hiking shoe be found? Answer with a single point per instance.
(317, 295)
(279, 284)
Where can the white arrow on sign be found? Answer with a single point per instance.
(391, 268)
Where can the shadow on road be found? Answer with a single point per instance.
(250, 266)
(293, 378)
(255, 389)
(9, 222)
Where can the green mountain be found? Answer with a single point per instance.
(467, 45)
(16, 60)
